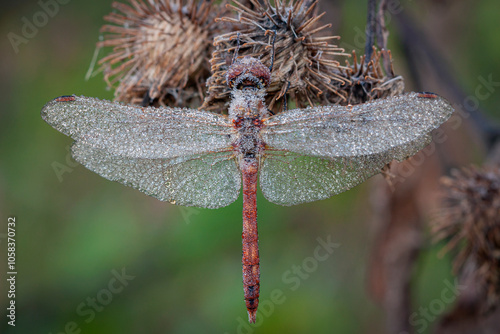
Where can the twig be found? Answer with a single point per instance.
(417, 48)
(382, 35)
(370, 29)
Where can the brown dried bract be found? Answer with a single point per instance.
(160, 50)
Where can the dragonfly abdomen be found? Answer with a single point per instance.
(250, 239)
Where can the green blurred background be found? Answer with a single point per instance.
(74, 233)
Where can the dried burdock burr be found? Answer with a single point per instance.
(366, 81)
(470, 221)
(305, 66)
(160, 50)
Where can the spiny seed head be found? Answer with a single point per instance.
(470, 220)
(160, 50)
(305, 64)
(366, 80)
(248, 72)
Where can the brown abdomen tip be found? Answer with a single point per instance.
(426, 95)
(251, 316)
(65, 98)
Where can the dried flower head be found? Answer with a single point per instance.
(471, 221)
(367, 80)
(160, 50)
(305, 65)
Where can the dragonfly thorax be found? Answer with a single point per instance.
(247, 110)
(248, 103)
(247, 142)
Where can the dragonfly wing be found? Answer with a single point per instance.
(289, 178)
(397, 124)
(137, 132)
(202, 180)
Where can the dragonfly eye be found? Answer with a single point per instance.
(248, 72)
(248, 81)
(232, 75)
(262, 74)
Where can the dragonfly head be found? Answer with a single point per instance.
(248, 73)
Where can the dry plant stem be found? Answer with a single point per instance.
(383, 35)
(370, 29)
(419, 50)
(376, 30)
(494, 156)
(399, 234)
(465, 317)
(398, 242)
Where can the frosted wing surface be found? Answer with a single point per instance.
(360, 130)
(207, 181)
(290, 178)
(137, 132)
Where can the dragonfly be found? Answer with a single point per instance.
(196, 158)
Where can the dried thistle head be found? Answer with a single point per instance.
(305, 64)
(367, 80)
(471, 221)
(160, 50)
